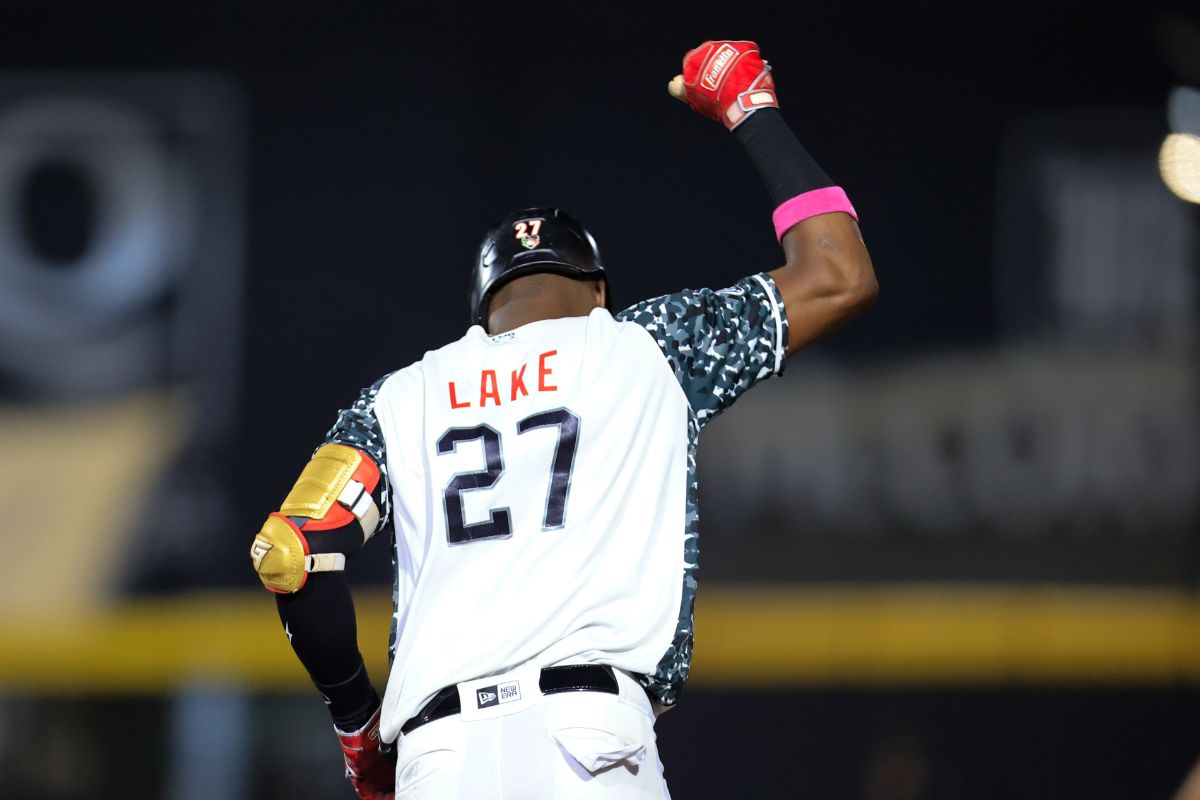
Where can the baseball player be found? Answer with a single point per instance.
(539, 479)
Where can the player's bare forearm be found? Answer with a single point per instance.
(828, 278)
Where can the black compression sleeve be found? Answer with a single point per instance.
(319, 621)
(785, 166)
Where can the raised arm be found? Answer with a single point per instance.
(828, 277)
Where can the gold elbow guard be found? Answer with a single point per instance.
(333, 490)
(322, 480)
(278, 554)
(334, 487)
(281, 558)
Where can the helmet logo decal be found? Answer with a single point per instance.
(527, 231)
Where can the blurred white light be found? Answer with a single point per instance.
(1179, 163)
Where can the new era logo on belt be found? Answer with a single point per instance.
(496, 695)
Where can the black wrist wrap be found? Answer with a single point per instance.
(784, 165)
(351, 702)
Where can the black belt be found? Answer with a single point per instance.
(569, 678)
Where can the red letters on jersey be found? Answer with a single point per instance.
(518, 382)
(489, 387)
(543, 371)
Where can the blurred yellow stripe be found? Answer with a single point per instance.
(746, 637)
(945, 634)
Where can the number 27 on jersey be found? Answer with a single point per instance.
(499, 522)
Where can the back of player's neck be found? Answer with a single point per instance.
(515, 314)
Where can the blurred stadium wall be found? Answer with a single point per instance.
(953, 553)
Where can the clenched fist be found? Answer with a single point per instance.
(370, 770)
(725, 81)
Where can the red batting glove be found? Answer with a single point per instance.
(369, 769)
(726, 81)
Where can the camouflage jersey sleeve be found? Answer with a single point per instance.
(719, 343)
(358, 427)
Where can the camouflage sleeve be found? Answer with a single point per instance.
(358, 427)
(719, 343)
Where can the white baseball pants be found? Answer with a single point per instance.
(567, 746)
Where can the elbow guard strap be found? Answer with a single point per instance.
(334, 490)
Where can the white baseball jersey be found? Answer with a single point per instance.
(541, 487)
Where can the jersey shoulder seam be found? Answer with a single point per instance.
(660, 357)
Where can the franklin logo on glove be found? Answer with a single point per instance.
(712, 75)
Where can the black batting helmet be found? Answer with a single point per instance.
(529, 241)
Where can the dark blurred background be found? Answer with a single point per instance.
(953, 553)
